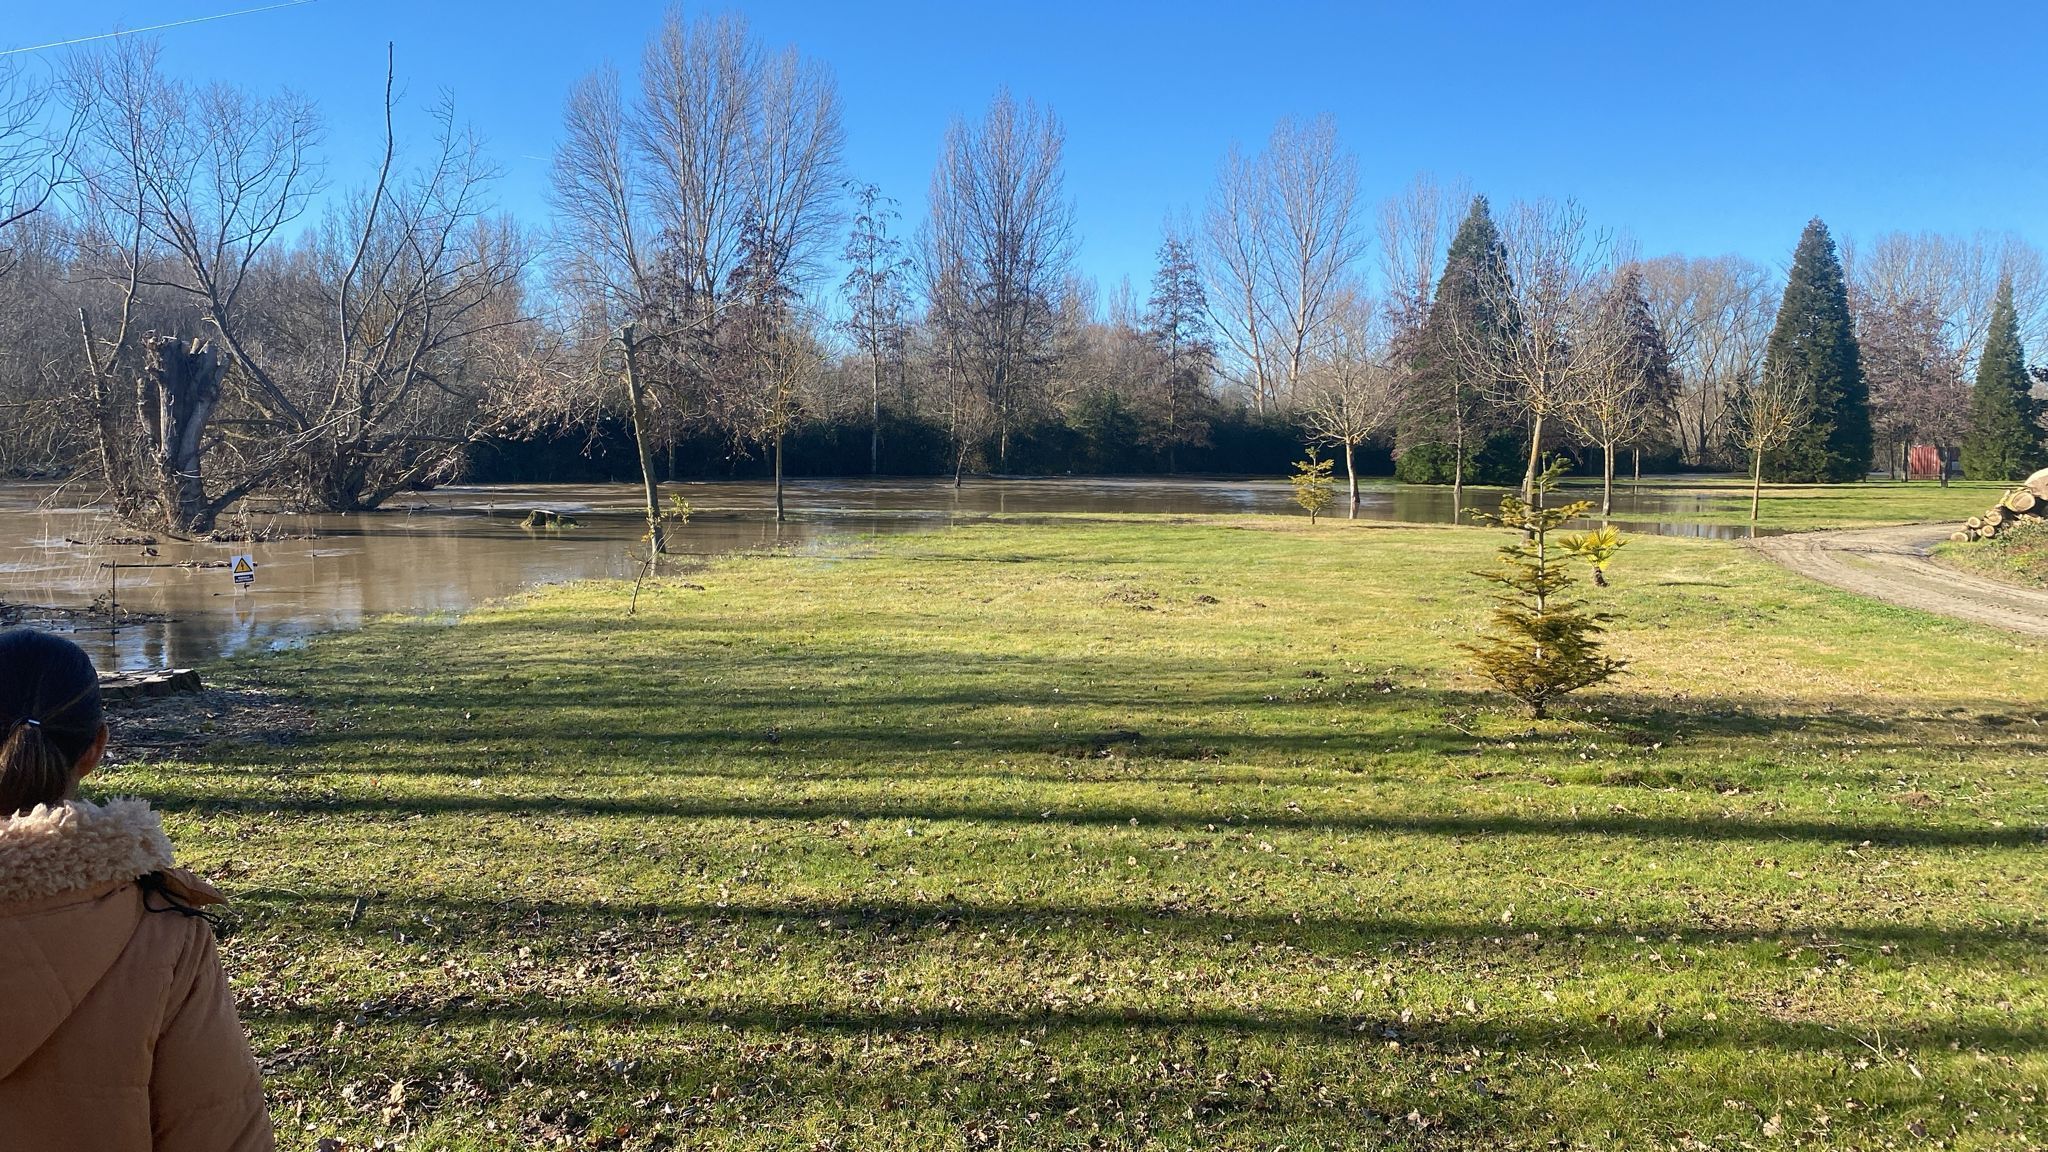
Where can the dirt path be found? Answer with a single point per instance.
(1893, 565)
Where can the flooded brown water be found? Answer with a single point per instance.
(441, 552)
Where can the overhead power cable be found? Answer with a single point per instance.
(151, 28)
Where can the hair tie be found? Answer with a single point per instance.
(31, 722)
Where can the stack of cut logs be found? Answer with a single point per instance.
(2028, 502)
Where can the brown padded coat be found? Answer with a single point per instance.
(117, 1030)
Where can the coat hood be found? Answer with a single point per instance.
(68, 908)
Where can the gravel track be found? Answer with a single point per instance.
(1895, 565)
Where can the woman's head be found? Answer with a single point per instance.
(52, 730)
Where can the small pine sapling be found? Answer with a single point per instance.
(1313, 487)
(1546, 644)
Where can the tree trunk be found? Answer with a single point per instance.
(1756, 485)
(1606, 480)
(1535, 458)
(1458, 480)
(875, 422)
(1351, 476)
(176, 397)
(1637, 454)
(636, 399)
(114, 459)
(1172, 420)
(778, 477)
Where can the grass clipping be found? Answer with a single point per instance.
(1546, 644)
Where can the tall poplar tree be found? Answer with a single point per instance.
(2005, 432)
(1814, 346)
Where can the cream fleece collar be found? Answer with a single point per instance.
(76, 846)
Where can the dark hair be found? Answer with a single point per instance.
(50, 715)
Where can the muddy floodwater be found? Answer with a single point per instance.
(436, 554)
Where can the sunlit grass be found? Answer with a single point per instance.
(1804, 507)
(2020, 555)
(1123, 834)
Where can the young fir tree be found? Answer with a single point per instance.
(1814, 344)
(1546, 644)
(2005, 433)
(1313, 487)
(1445, 420)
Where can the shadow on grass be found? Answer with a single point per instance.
(1146, 925)
(856, 703)
(1625, 826)
(1360, 1029)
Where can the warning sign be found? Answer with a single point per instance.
(244, 568)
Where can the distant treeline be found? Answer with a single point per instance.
(1239, 443)
(188, 319)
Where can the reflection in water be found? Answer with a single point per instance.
(444, 551)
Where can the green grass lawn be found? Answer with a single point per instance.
(1805, 507)
(1140, 834)
(2019, 556)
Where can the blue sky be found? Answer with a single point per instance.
(1702, 127)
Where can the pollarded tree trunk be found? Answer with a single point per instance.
(176, 396)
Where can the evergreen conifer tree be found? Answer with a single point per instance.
(1446, 421)
(1814, 345)
(2005, 432)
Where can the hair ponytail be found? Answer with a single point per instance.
(32, 770)
(50, 715)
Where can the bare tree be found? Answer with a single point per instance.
(419, 285)
(38, 347)
(768, 360)
(1956, 277)
(956, 394)
(1351, 390)
(1618, 391)
(1283, 241)
(1549, 288)
(37, 135)
(1766, 411)
(1232, 260)
(192, 186)
(1715, 314)
(343, 370)
(877, 299)
(1915, 390)
(1001, 230)
(1415, 230)
(1923, 309)
(655, 198)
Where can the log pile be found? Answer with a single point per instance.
(2027, 503)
